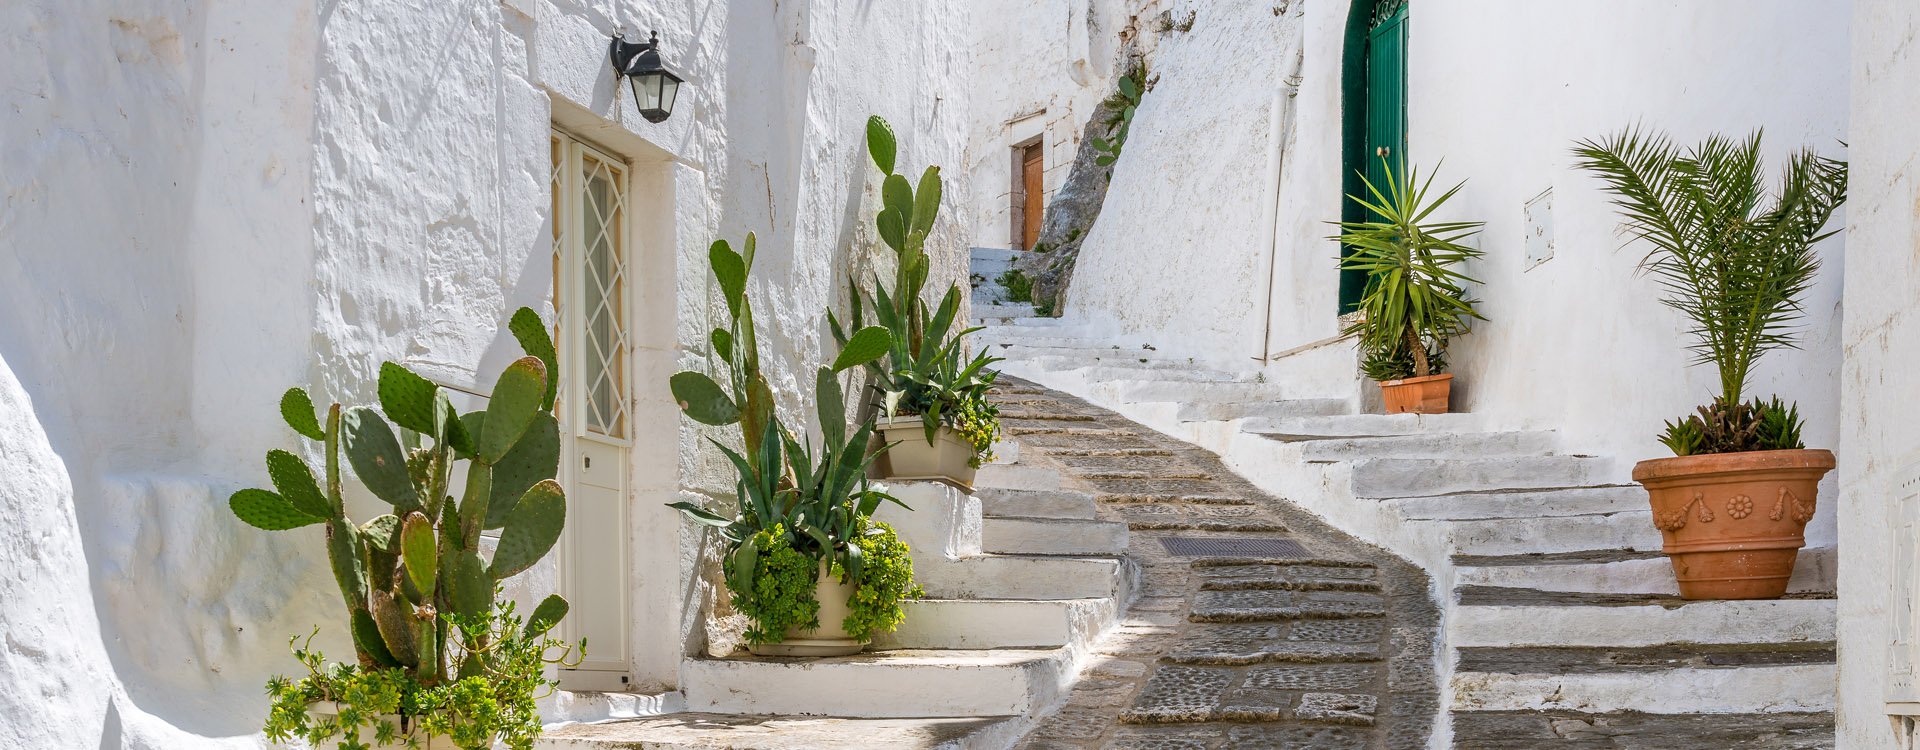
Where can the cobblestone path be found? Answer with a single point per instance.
(1332, 648)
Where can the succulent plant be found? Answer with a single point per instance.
(401, 573)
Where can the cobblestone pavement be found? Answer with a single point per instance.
(1332, 649)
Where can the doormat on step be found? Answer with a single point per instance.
(1200, 546)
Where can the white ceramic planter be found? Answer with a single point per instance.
(830, 639)
(948, 459)
(331, 709)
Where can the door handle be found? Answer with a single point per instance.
(1383, 152)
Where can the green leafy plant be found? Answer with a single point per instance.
(1132, 87)
(926, 371)
(1732, 258)
(410, 578)
(1019, 287)
(797, 506)
(1397, 363)
(1415, 300)
(391, 705)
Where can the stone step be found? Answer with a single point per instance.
(1006, 503)
(1572, 501)
(1021, 577)
(1691, 678)
(1194, 393)
(1440, 445)
(1585, 730)
(1298, 407)
(1101, 373)
(1504, 617)
(972, 624)
(713, 731)
(1405, 477)
(1292, 429)
(878, 684)
(1617, 572)
(1625, 530)
(1017, 477)
(1006, 311)
(1054, 536)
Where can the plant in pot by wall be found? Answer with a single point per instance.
(934, 407)
(439, 654)
(804, 560)
(1415, 300)
(1734, 502)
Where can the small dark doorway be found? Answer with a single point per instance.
(1374, 90)
(1029, 193)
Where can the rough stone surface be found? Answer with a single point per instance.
(1332, 650)
(1528, 730)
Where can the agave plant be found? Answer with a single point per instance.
(1733, 259)
(1414, 298)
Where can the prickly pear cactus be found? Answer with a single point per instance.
(401, 572)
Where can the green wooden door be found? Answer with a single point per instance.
(1378, 113)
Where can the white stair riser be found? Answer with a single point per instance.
(1016, 477)
(1025, 536)
(1358, 425)
(1518, 536)
(1200, 393)
(987, 623)
(1675, 691)
(1813, 572)
(1004, 577)
(1403, 477)
(1021, 504)
(875, 688)
(1565, 502)
(1443, 445)
(1220, 412)
(1781, 621)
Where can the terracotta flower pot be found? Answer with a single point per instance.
(947, 459)
(1734, 522)
(831, 638)
(1426, 395)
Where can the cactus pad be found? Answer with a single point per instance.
(393, 616)
(380, 532)
(297, 408)
(535, 457)
(531, 529)
(366, 636)
(547, 615)
(349, 570)
(531, 332)
(376, 457)
(419, 551)
(295, 482)
(702, 399)
(407, 398)
(516, 398)
(469, 587)
(266, 510)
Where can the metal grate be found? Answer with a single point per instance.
(1193, 546)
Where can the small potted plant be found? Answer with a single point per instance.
(805, 560)
(1734, 501)
(1415, 300)
(438, 655)
(935, 416)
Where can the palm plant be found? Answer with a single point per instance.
(1732, 258)
(1414, 298)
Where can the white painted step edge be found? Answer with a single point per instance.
(1728, 622)
(1771, 689)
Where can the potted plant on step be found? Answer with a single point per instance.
(1734, 501)
(805, 560)
(438, 654)
(935, 415)
(1415, 300)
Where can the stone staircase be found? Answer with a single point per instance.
(1561, 619)
(989, 297)
(1020, 579)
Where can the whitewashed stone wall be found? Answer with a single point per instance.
(1499, 93)
(202, 203)
(1880, 424)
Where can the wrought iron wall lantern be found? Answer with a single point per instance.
(655, 86)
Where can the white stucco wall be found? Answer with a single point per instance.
(1880, 424)
(222, 200)
(1044, 65)
(1579, 343)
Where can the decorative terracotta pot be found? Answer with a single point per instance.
(830, 639)
(947, 459)
(1426, 395)
(1734, 522)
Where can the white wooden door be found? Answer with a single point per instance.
(590, 248)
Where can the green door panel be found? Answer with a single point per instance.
(1376, 113)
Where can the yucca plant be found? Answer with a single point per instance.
(1733, 259)
(1414, 298)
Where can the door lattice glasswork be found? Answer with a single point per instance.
(590, 211)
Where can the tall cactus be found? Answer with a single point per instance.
(400, 572)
